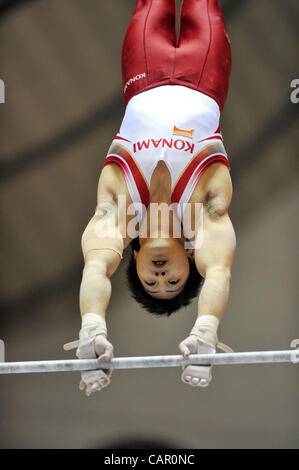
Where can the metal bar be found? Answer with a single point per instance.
(254, 357)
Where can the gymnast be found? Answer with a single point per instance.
(166, 170)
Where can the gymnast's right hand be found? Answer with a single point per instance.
(93, 344)
(90, 347)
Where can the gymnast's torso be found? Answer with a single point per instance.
(175, 125)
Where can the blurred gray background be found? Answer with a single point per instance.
(60, 61)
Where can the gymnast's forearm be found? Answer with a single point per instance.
(95, 289)
(214, 294)
(212, 303)
(214, 259)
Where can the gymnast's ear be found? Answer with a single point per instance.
(135, 254)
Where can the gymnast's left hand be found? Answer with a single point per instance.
(196, 376)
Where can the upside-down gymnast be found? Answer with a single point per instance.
(169, 149)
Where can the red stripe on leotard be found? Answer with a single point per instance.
(193, 171)
(121, 138)
(211, 138)
(135, 172)
(215, 159)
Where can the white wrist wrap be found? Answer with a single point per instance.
(94, 323)
(205, 329)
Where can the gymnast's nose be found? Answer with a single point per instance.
(161, 273)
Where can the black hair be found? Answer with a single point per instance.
(161, 306)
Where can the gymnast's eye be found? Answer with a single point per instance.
(173, 282)
(150, 283)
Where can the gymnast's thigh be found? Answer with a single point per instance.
(203, 57)
(149, 46)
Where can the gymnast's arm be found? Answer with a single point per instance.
(103, 242)
(215, 244)
(102, 255)
(102, 246)
(214, 259)
(214, 249)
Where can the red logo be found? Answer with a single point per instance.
(178, 144)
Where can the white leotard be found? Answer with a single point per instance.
(172, 123)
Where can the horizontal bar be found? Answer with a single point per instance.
(254, 357)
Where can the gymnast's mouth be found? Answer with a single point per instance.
(159, 262)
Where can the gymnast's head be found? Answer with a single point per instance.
(162, 275)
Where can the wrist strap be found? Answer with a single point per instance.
(205, 329)
(94, 323)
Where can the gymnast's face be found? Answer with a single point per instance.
(162, 267)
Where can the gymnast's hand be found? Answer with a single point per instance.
(197, 376)
(91, 347)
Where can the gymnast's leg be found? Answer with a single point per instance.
(203, 57)
(149, 46)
